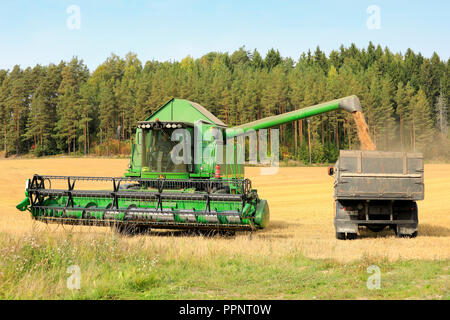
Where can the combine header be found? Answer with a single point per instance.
(156, 192)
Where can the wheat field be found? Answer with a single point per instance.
(300, 201)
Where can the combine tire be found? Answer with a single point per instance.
(343, 236)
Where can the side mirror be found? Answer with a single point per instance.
(330, 170)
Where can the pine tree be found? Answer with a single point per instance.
(86, 109)
(240, 57)
(257, 61)
(402, 101)
(74, 74)
(421, 122)
(107, 113)
(442, 111)
(143, 108)
(273, 58)
(4, 112)
(126, 94)
(17, 97)
(386, 112)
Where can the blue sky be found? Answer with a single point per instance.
(35, 31)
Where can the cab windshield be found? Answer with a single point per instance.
(158, 151)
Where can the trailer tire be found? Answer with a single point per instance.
(413, 235)
(340, 235)
(408, 230)
(352, 236)
(405, 235)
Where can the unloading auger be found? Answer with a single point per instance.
(156, 192)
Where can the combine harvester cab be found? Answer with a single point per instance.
(376, 189)
(205, 189)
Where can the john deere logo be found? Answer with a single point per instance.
(161, 176)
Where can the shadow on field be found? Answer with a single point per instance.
(280, 225)
(186, 233)
(425, 230)
(433, 231)
(277, 230)
(270, 233)
(365, 233)
(268, 236)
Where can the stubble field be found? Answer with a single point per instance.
(296, 257)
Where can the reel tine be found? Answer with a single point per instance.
(89, 228)
(69, 230)
(47, 227)
(57, 227)
(35, 227)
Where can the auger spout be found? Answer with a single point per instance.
(350, 104)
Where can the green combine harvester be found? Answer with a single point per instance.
(156, 192)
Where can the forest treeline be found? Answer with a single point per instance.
(65, 108)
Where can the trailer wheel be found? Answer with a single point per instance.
(340, 235)
(405, 235)
(351, 236)
(413, 235)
